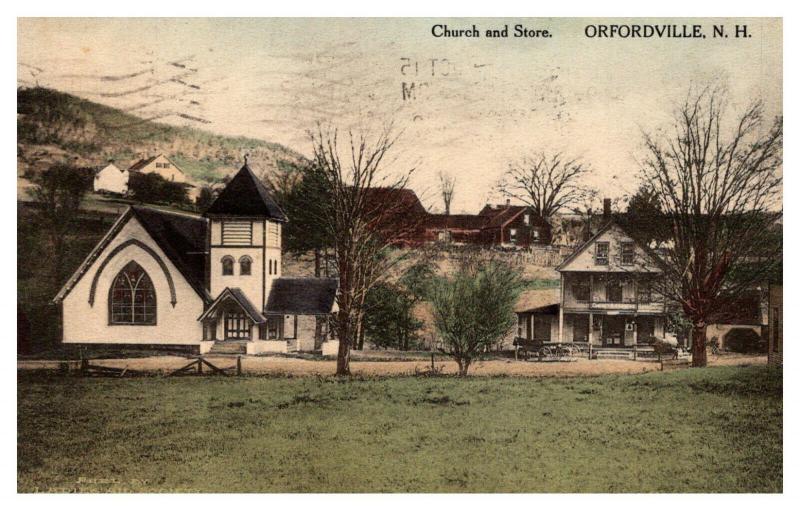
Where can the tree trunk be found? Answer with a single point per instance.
(463, 366)
(699, 357)
(343, 358)
(344, 333)
(317, 263)
(360, 333)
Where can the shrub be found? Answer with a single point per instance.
(152, 188)
(744, 341)
(473, 309)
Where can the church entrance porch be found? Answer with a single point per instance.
(237, 326)
(233, 320)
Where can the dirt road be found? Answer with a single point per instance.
(273, 365)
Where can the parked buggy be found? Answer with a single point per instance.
(546, 351)
(560, 352)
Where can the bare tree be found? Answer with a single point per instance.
(718, 184)
(447, 186)
(364, 220)
(546, 183)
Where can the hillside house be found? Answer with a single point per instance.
(111, 179)
(607, 296)
(162, 166)
(507, 226)
(210, 283)
(397, 213)
(513, 226)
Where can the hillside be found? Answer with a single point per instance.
(54, 126)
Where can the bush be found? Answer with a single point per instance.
(474, 308)
(389, 320)
(744, 341)
(663, 348)
(152, 188)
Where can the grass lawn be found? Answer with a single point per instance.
(699, 430)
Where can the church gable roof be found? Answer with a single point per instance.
(180, 236)
(246, 195)
(235, 294)
(183, 240)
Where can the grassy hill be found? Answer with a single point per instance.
(53, 126)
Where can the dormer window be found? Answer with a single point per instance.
(245, 264)
(227, 265)
(601, 253)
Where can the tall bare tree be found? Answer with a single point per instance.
(447, 187)
(364, 220)
(718, 181)
(547, 183)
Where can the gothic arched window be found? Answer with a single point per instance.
(245, 264)
(132, 299)
(227, 265)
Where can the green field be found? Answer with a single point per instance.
(699, 430)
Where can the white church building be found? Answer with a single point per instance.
(210, 283)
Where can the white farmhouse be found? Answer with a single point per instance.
(609, 297)
(111, 179)
(160, 165)
(210, 283)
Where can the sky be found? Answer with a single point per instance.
(471, 106)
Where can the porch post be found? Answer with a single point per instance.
(591, 328)
(561, 310)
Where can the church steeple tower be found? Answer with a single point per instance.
(244, 238)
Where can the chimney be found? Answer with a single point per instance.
(606, 209)
(508, 202)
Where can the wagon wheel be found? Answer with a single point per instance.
(546, 352)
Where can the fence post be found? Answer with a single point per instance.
(200, 366)
(238, 365)
(590, 350)
(634, 352)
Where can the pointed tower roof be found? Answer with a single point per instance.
(246, 195)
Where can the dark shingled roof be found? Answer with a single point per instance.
(142, 163)
(455, 221)
(183, 240)
(302, 296)
(246, 195)
(181, 237)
